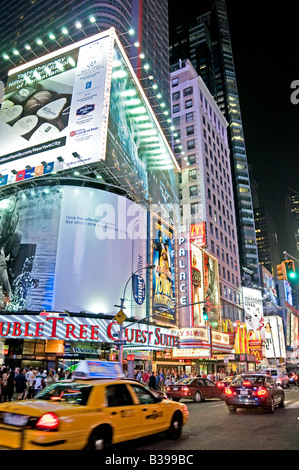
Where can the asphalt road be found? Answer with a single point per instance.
(212, 427)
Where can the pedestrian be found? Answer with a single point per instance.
(139, 375)
(145, 377)
(158, 379)
(10, 385)
(31, 383)
(4, 378)
(39, 382)
(50, 378)
(167, 381)
(20, 383)
(152, 381)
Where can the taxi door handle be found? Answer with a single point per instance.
(114, 412)
(144, 409)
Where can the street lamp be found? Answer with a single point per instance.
(122, 302)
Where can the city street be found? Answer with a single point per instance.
(212, 427)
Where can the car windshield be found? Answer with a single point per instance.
(73, 393)
(254, 380)
(184, 381)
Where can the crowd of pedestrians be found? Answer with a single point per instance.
(18, 384)
(161, 379)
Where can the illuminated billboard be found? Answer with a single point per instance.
(71, 248)
(204, 286)
(54, 106)
(164, 277)
(274, 337)
(83, 105)
(253, 311)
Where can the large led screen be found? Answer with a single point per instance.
(55, 106)
(71, 248)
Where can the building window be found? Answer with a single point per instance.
(188, 104)
(188, 91)
(175, 82)
(192, 175)
(189, 117)
(194, 208)
(193, 192)
(176, 96)
(192, 159)
(190, 144)
(176, 108)
(190, 130)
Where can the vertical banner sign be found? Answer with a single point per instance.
(253, 308)
(163, 253)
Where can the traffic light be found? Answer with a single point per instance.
(281, 272)
(290, 270)
(205, 315)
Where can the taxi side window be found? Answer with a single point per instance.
(118, 395)
(143, 395)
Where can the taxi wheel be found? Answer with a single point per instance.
(100, 439)
(176, 425)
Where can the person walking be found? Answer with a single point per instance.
(20, 383)
(152, 381)
(10, 385)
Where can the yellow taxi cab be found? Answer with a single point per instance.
(96, 409)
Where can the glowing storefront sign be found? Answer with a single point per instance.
(198, 234)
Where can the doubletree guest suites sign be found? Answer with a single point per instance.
(85, 329)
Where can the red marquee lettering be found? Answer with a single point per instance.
(1, 329)
(27, 326)
(70, 331)
(54, 325)
(83, 331)
(94, 332)
(16, 329)
(39, 329)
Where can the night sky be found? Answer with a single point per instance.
(265, 40)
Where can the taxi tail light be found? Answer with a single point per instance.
(48, 422)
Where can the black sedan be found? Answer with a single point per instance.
(254, 391)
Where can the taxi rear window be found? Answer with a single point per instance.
(73, 393)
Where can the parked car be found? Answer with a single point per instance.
(196, 389)
(254, 391)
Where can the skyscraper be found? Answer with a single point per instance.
(292, 222)
(205, 40)
(206, 182)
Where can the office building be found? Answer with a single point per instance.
(206, 192)
(205, 41)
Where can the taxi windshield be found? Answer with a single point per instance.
(73, 393)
